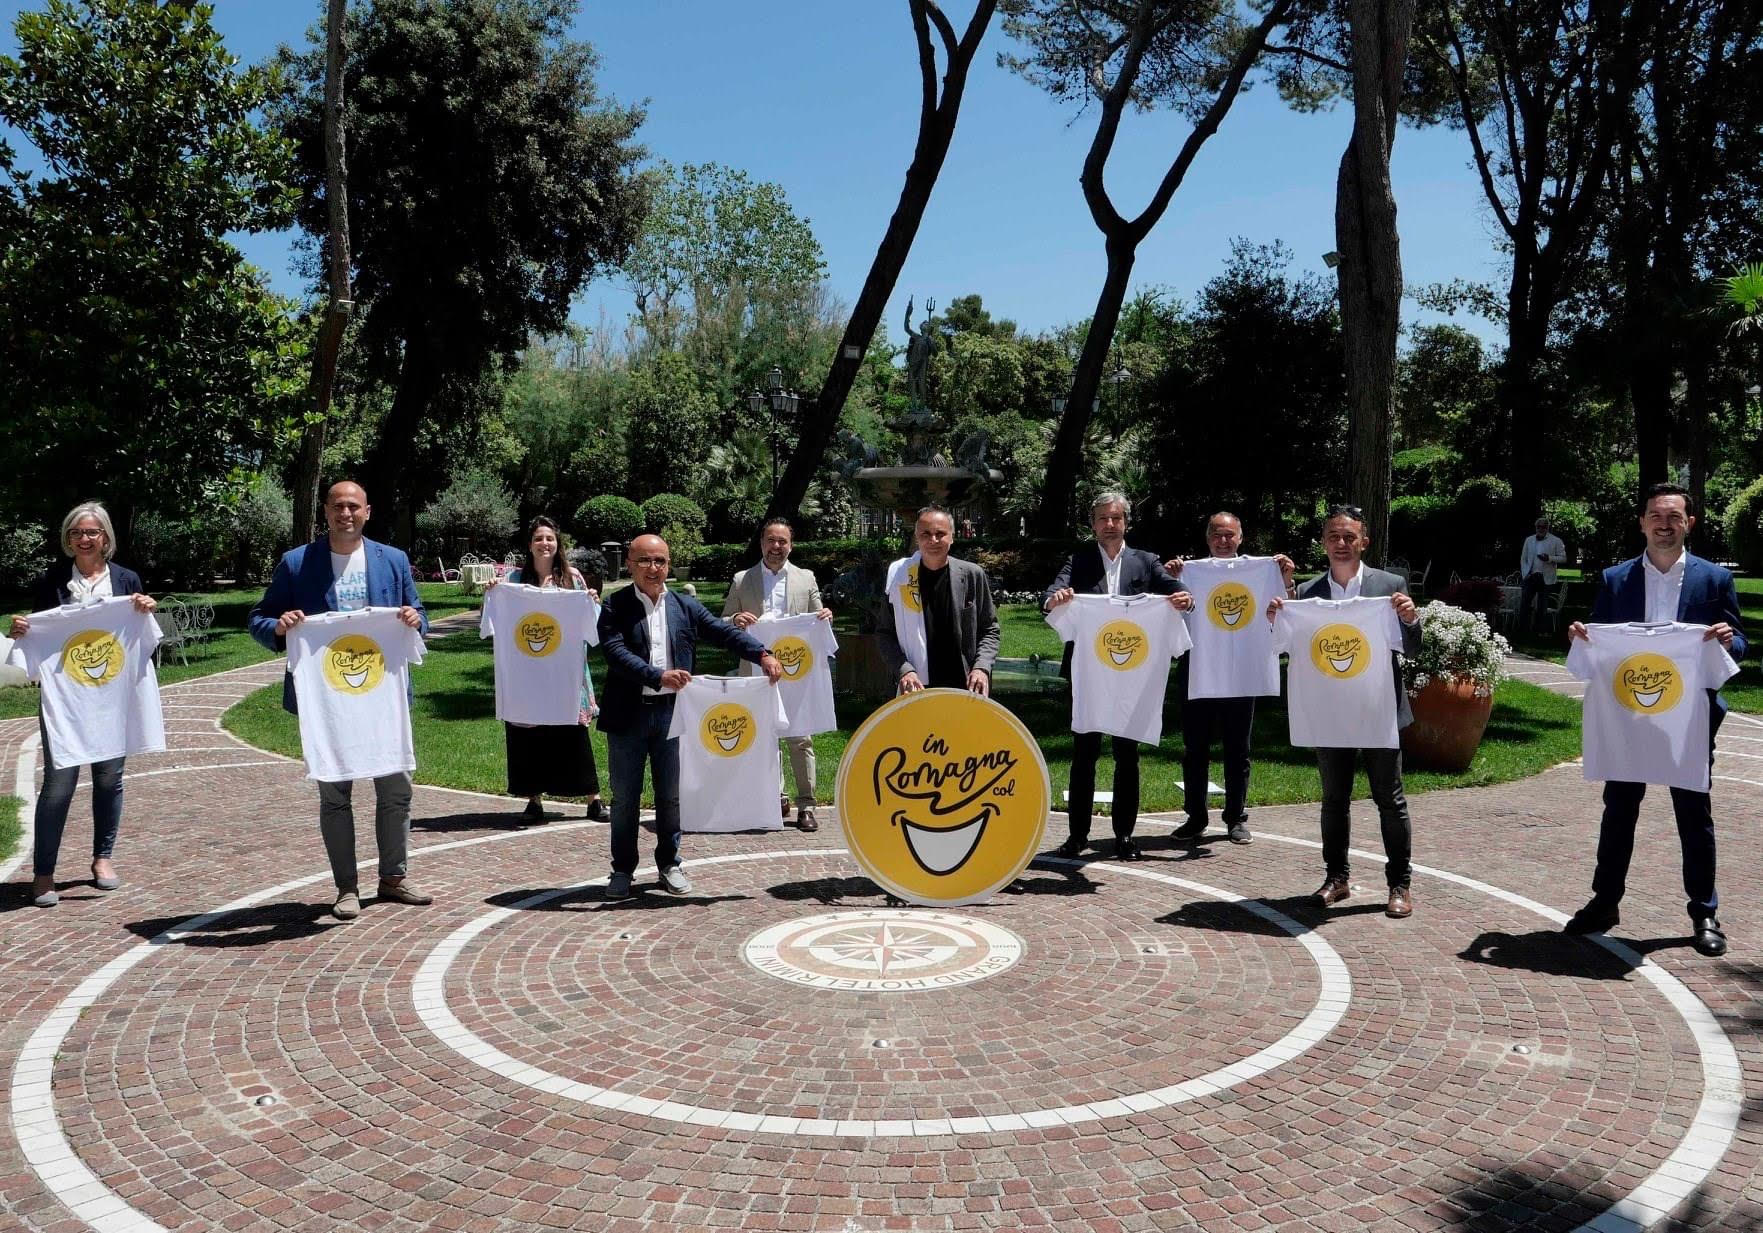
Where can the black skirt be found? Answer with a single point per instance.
(551, 760)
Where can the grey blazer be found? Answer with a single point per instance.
(975, 615)
(1379, 582)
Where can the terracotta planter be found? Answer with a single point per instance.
(1448, 724)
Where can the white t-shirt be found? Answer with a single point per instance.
(350, 682)
(1233, 655)
(350, 571)
(100, 692)
(730, 776)
(804, 645)
(1646, 701)
(1339, 692)
(1121, 648)
(545, 632)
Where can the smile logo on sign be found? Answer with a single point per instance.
(1648, 684)
(1122, 645)
(909, 594)
(1229, 606)
(727, 729)
(794, 657)
(354, 664)
(943, 796)
(538, 635)
(91, 657)
(1339, 651)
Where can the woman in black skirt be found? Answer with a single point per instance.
(552, 759)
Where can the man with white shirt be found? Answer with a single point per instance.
(343, 572)
(1107, 567)
(776, 588)
(1345, 541)
(1537, 563)
(649, 636)
(1665, 583)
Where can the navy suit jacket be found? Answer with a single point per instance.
(50, 590)
(304, 580)
(1141, 573)
(1377, 583)
(1709, 596)
(624, 641)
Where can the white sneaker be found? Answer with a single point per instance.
(675, 882)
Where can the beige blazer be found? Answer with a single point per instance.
(801, 594)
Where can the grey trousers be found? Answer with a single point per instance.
(391, 827)
(1383, 769)
(802, 765)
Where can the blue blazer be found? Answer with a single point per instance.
(1709, 596)
(50, 590)
(624, 641)
(303, 580)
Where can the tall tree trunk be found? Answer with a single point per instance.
(336, 321)
(1370, 267)
(938, 113)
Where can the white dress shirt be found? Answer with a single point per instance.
(775, 597)
(80, 591)
(655, 615)
(1351, 590)
(1111, 569)
(1664, 588)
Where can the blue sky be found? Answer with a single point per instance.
(822, 98)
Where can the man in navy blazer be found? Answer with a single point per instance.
(649, 636)
(343, 571)
(1664, 583)
(1107, 567)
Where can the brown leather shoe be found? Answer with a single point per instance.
(1332, 891)
(402, 892)
(805, 819)
(1401, 904)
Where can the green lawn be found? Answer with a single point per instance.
(9, 825)
(230, 645)
(459, 742)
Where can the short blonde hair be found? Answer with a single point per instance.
(95, 511)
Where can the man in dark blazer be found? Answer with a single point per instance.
(940, 626)
(1348, 577)
(343, 571)
(649, 636)
(1107, 567)
(1664, 583)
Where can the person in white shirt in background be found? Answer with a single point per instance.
(1344, 539)
(774, 587)
(87, 537)
(1542, 555)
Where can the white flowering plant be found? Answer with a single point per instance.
(1456, 644)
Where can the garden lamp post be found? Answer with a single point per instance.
(781, 402)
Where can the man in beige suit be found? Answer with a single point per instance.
(774, 587)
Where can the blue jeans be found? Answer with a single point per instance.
(645, 740)
(57, 795)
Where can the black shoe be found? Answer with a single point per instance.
(1193, 828)
(1127, 849)
(596, 810)
(534, 812)
(1072, 848)
(1595, 917)
(1710, 940)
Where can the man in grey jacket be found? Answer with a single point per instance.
(941, 629)
(1348, 577)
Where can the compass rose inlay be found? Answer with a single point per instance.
(883, 950)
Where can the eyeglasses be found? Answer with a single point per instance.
(651, 562)
(85, 533)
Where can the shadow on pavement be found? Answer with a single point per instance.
(259, 926)
(593, 898)
(1553, 953)
(827, 891)
(478, 820)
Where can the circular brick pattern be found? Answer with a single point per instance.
(889, 950)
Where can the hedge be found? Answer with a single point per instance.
(1744, 528)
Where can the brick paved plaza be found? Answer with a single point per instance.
(1183, 1043)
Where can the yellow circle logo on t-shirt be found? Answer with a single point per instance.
(354, 664)
(538, 634)
(92, 657)
(943, 796)
(1339, 651)
(1122, 645)
(1231, 606)
(794, 657)
(1648, 684)
(909, 594)
(727, 729)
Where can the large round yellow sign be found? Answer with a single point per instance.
(91, 657)
(1647, 684)
(943, 796)
(354, 664)
(1231, 606)
(1339, 651)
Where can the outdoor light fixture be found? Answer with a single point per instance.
(778, 401)
(1331, 259)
